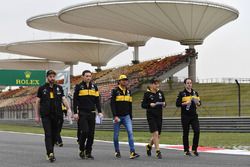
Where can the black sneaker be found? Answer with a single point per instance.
(60, 144)
(118, 154)
(187, 153)
(158, 154)
(148, 149)
(89, 156)
(133, 155)
(195, 153)
(51, 157)
(82, 154)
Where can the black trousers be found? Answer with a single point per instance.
(194, 122)
(50, 126)
(87, 131)
(60, 125)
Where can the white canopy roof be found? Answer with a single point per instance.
(51, 22)
(69, 51)
(186, 21)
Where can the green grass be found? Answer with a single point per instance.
(217, 100)
(225, 140)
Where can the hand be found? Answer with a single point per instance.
(100, 115)
(69, 115)
(152, 105)
(76, 117)
(164, 104)
(188, 102)
(37, 119)
(116, 119)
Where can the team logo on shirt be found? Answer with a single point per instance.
(44, 91)
(58, 91)
(151, 97)
(128, 93)
(160, 96)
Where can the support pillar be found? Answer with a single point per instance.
(192, 64)
(71, 69)
(98, 69)
(136, 55)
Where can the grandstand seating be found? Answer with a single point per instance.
(105, 79)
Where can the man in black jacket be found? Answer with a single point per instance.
(86, 101)
(188, 99)
(121, 106)
(154, 101)
(49, 108)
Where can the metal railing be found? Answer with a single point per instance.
(215, 124)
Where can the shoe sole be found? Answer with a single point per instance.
(135, 157)
(188, 155)
(82, 157)
(90, 158)
(159, 157)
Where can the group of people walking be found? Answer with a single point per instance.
(86, 106)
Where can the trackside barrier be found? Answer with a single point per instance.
(215, 124)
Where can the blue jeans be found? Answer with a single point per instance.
(126, 121)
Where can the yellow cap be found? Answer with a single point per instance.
(123, 77)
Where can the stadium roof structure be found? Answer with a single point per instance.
(186, 21)
(3, 48)
(51, 22)
(69, 51)
(31, 64)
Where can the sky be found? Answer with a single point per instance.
(224, 54)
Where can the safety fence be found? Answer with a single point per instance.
(215, 124)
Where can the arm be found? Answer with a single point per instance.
(199, 103)
(164, 100)
(75, 100)
(64, 100)
(97, 100)
(179, 100)
(66, 103)
(75, 103)
(37, 105)
(131, 109)
(112, 102)
(37, 110)
(144, 103)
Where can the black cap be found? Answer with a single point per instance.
(51, 72)
(154, 80)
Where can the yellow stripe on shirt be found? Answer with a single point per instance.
(124, 98)
(188, 98)
(87, 92)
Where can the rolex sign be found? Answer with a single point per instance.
(22, 77)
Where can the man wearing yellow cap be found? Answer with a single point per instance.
(121, 106)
